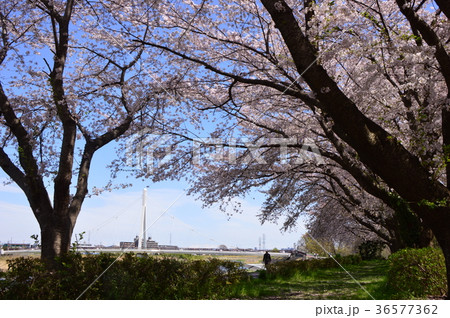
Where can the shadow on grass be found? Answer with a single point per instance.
(368, 282)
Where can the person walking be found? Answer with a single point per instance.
(267, 259)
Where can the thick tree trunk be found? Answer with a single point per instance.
(394, 246)
(438, 220)
(377, 149)
(397, 243)
(444, 241)
(56, 233)
(425, 237)
(446, 249)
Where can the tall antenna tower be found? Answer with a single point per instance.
(264, 241)
(142, 244)
(259, 245)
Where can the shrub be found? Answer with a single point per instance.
(371, 250)
(417, 273)
(130, 277)
(286, 269)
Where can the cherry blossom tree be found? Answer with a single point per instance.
(72, 81)
(368, 83)
(380, 150)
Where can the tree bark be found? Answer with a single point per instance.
(438, 221)
(56, 233)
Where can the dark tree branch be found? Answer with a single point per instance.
(306, 98)
(377, 149)
(444, 5)
(29, 180)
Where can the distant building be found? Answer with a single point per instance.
(129, 245)
(16, 246)
(85, 245)
(168, 247)
(151, 244)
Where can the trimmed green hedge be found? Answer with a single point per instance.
(130, 277)
(417, 273)
(286, 269)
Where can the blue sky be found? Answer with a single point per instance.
(115, 216)
(173, 217)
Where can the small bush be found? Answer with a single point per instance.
(417, 273)
(130, 277)
(371, 250)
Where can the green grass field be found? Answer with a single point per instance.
(322, 284)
